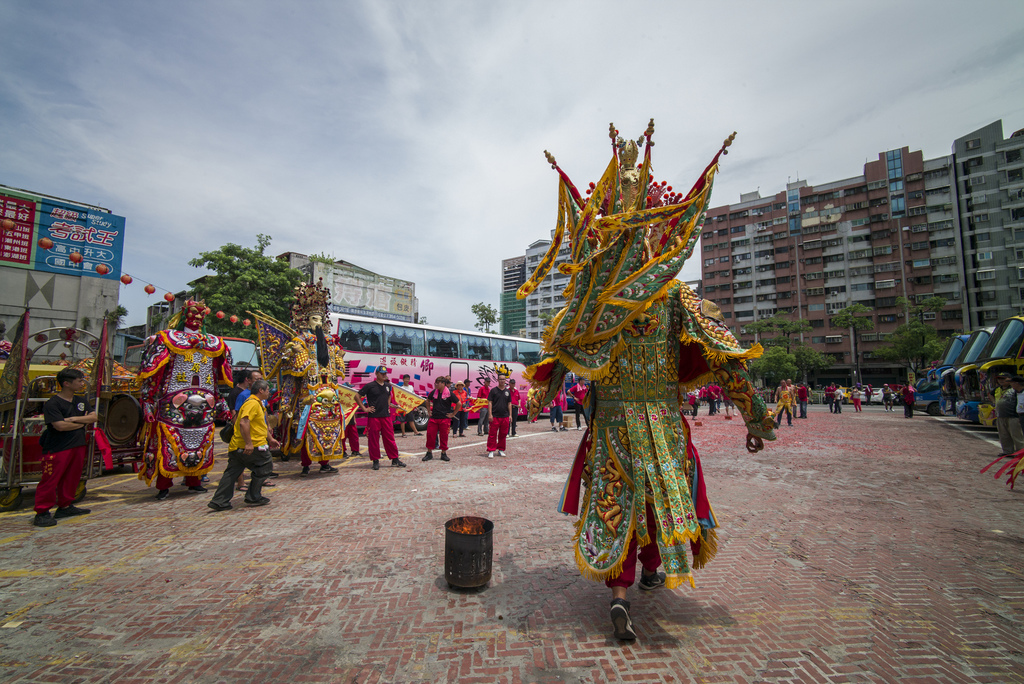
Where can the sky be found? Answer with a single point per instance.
(408, 137)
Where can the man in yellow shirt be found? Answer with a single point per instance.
(250, 448)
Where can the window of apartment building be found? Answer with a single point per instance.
(984, 256)
(987, 274)
(860, 254)
(748, 313)
(741, 271)
(782, 279)
(835, 274)
(818, 340)
(917, 211)
(883, 302)
(919, 228)
(896, 186)
(812, 260)
(881, 251)
(954, 315)
(1016, 214)
(866, 237)
(724, 259)
(736, 258)
(948, 242)
(917, 194)
(815, 307)
(782, 250)
(972, 144)
(817, 322)
(834, 258)
(745, 285)
(899, 207)
(783, 264)
(784, 295)
(862, 287)
(740, 243)
(838, 289)
(919, 245)
(764, 268)
(811, 244)
(812, 291)
(709, 247)
(721, 231)
(887, 318)
(876, 185)
(727, 314)
(743, 300)
(766, 282)
(894, 164)
(761, 254)
(1012, 156)
(833, 339)
(884, 284)
(709, 262)
(817, 275)
(762, 239)
(921, 263)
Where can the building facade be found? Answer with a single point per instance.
(812, 250)
(546, 300)
(513, 309)
(989, 172)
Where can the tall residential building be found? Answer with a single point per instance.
(814, 249)
(513, 310)
(546, 300)
(990, 199)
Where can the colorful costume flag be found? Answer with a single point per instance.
(15, 371)
(405, 400)
(642, 339)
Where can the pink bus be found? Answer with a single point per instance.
(426, 352)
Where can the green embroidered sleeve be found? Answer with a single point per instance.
(733, 378)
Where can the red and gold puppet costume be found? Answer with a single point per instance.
(180, 372)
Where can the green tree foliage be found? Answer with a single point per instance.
(244, 279)
(932, 304)
(851, 317)
(115, 318)
(914, 344)
(774, 366)
(809, 360)
(778, 330)
(486, 316)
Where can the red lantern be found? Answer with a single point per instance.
(220, 314)
(169, 297)
(233, 319)
(126, 279)
(45, 243)
(102, 269)
(75, 258)
(246, 322)
(149, 289)
(7, 224)
(206, 311)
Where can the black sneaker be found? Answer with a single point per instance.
(397, 463)
(328, 469)
(199, 488)
(651, 582)
(163, 494)
(376, 465)
(44, 520)
(262, 502)
(219, 507)
(620, 620)
(444, 456)
(274, 475)
(430, 457)
(69, 512)
(305, 470)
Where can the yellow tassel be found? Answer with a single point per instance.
(708, 550)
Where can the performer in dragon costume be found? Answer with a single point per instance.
(180, 371)
(311, 367)
(642, 339)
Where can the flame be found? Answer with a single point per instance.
(466, 525)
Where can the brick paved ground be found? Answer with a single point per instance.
(856, 548)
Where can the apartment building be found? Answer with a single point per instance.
(513, 310)
(812, 250)
(989, 185)
(546, 300)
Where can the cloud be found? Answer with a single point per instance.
(408, 137)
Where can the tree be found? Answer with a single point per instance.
(486, 316)
(774, 366)
(244, 279)
(809, 360)
(849, 318)
(914, 344)
(115, 318)
(933, 304)
(781, 327)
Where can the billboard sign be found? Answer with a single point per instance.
(96, 235)
(358, 291)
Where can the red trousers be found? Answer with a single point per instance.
(498, 432)
(650, 557)
(382, 428)
(166, 482)
(437, 428)
(352, 435)
(62, 471)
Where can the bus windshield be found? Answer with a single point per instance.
(953, 350)
(971, 350)
(244, 353)
(1005, 340)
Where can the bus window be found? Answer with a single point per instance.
(503, 350)
(243, 352)
(442, 344)
(474, 347)
(529, 352)
(359, 337)
(406, 341)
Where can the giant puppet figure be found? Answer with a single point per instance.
(311, 367)
(180, 371)
(641, 338)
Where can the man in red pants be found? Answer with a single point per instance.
(499, 401)
(63, 445)
(443, 404)
(379, 424)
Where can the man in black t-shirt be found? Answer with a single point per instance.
(443, 405)
(499, 400)
(63, 444)
(379, 425)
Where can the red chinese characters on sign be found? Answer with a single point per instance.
(16, 244)
(87, 234)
